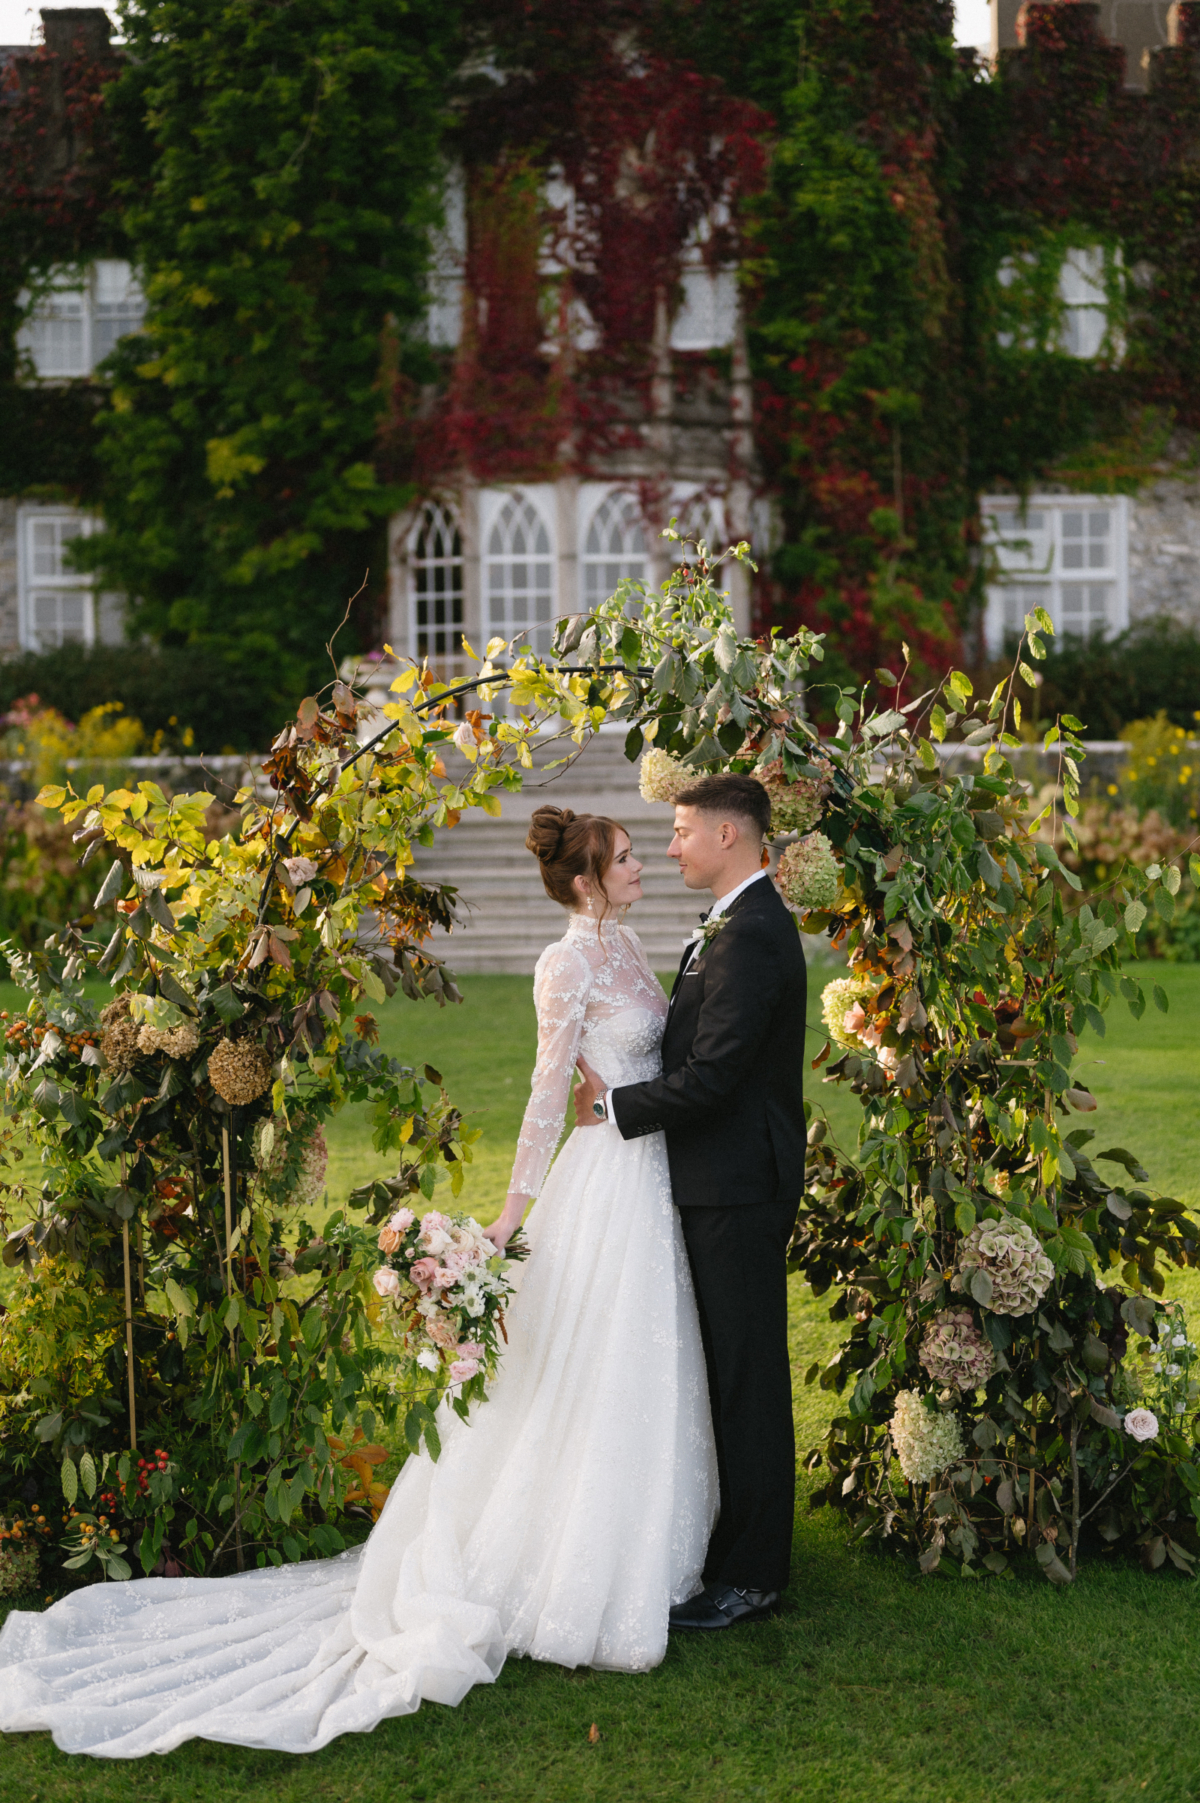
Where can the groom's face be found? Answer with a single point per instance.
(701, 846)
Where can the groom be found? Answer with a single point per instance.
(731, 1103)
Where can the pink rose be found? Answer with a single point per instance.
(386, 1282)
(443, 1331)
(423, 1273)
(402, 1220)
(470, 1349)
(443, 1279)
(462, 1369)
(389, 1240)
(1142, 1424)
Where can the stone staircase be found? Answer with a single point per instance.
(510, 919)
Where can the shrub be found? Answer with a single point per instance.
(1162, 772)
(172, 690)
(1153, 667)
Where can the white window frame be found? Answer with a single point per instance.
(706, 318)
(539, 499)
(450, 666)
(33, 584)
(1038, 567)
(1086, 330)
(600, 571)
(104, 295)
(447, 265)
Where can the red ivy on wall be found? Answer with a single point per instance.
(563, 301)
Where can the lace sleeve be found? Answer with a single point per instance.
(560, 993)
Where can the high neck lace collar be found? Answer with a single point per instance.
(581, 926)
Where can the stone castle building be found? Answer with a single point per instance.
(486, 553)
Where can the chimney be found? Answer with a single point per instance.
(65, 27)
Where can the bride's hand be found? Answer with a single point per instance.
(506, 1223)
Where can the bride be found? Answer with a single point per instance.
(562, 1522)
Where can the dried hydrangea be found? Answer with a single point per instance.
(955, 1352)
(295, 1166)
(119, 1040)
(176, 1042)
(1011, 1254)
(808, 873)
(796, 804)
(239, 1070)
(839, 999)
(661, 776)
(925, 1440)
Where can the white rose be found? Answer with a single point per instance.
(428, 1360)
(1142, 1424)
(386, 1282)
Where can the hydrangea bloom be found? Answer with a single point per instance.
(954, 1352)
(660, 776)
(1011, 1254)
(838, 1000)
(925, 1441)
(176, 1042)
(796, 806)
(808, 873)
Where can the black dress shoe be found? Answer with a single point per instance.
(724, 1607)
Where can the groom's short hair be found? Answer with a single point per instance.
(734, 797)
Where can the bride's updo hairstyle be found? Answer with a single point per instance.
(568, 845)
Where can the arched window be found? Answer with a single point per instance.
(614, 547)
(436, 590)
(519, 577)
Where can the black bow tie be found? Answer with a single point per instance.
(704, 916)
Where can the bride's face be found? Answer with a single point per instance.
(622, 879)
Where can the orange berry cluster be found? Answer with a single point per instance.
(23, 1036)
(19, 1527)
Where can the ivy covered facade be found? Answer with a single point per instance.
(474, 300)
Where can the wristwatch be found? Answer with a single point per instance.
(600, 1108)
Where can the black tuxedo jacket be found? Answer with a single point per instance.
(731, 1096)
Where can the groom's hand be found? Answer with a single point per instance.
(591, 1087)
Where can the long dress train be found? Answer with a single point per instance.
(561, 1522)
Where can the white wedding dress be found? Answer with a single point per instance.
(560, 1523)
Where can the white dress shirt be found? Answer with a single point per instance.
(719, 907)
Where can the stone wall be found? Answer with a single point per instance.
(1164, 550)
(1139, 26)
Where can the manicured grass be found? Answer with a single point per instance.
(874, 1683)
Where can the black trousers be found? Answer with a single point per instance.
(738, 1261)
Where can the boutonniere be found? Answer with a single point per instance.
(704, 935)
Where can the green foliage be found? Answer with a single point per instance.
(41, 884)
(218, 1326)
(172, 691)
(857, 335)
(974, 981)
(1152, 666)
(281, 166)
(1162, 771)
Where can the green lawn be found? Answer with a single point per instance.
(875, 1684)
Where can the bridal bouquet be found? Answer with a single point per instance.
(444, 1286)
